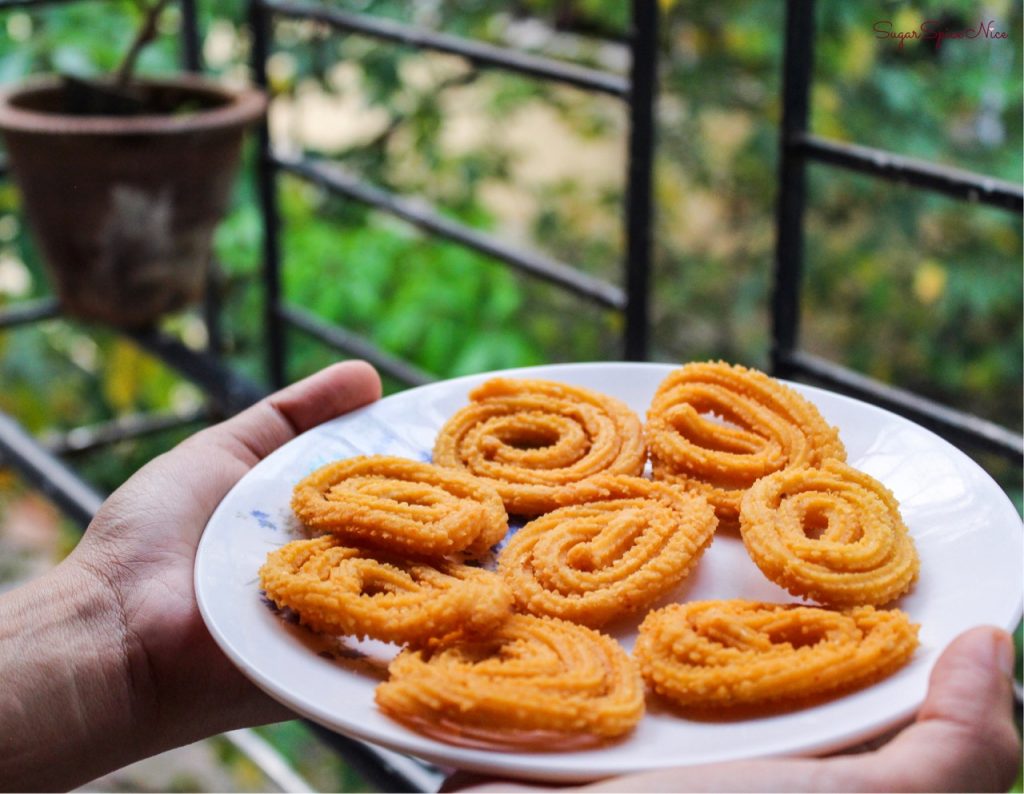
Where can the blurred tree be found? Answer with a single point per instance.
(903, 285)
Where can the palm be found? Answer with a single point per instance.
(142, 544)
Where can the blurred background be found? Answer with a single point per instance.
(909, 287)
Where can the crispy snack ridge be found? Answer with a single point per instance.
(832, 534)
(723, 654)
(536, 683)
(339, 589)
(628, 542)
(767, 427)
(531, 439)
(402, 505)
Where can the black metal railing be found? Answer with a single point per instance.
(798, 148)
(638, 92)
(39, 461)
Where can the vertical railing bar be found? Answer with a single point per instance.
(191, 46)
(266, 177)
(212, 306)
(639, 200)
(192, 61)
(798, 59)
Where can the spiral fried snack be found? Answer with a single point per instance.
(628, 542)
(832, 534)
(533, 683)
(532, 438)
(771, 428)
(722, 654)
(402, 505)
(338, 589)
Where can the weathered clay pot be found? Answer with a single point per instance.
(123, 208)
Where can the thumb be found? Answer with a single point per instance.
(964, 738)
(257, 431)
(228, 450)
(188, 482)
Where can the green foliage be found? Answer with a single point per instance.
(412, 295)
(909, 287)
(903, 285)
(317, 763)
(79, 39)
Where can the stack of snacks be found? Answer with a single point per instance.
(512, 659)
(473, 672)
(771, 465)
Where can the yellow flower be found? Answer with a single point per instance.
(929, 282)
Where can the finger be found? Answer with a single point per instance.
(225, 452)
(256, 432)
(964, 738)
(188, 482)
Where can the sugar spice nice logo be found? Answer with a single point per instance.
(938, 31)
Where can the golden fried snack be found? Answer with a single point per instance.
(627, 542)
(832, 534)
(338, 589)
(533, 683)
(402, 505)
(767, 427)
(532, 438)
(722, 654)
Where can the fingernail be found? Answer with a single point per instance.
(1003, 651)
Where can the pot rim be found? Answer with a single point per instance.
(242, 107)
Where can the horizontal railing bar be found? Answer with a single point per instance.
(956, 425)
(955, 182)
(29, 311)
(11, 4)
(424, 216)
(229, 391)
(477, 52)
(44, 471)
(123, 428)
(355, 345)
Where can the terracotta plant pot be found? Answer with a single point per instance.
(123, 208)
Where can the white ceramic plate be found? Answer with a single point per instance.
(967, 532)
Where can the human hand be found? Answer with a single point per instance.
(106, 659)
(964, 739)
